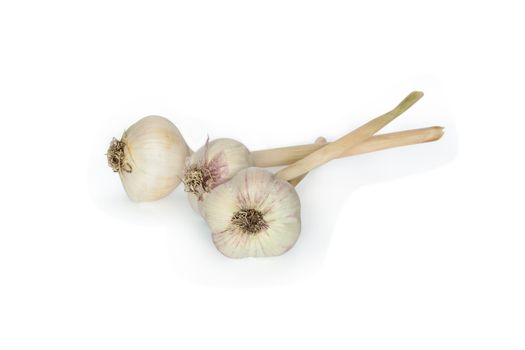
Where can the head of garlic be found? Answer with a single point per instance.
(212, 165)
(149, 158)
(255, 214)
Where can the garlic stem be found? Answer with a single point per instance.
(288, 155)
(337, 148)
(320, 141)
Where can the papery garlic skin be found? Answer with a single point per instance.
(274, 207)
(212, 165)
(154, 154)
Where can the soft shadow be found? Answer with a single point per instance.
(323, 193)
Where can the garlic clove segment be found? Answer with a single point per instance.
(211, 165)
(149, 158)
(255, 214)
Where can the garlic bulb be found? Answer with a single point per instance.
(254, 214)
(149, 158)
(257, 213)
(211, 165)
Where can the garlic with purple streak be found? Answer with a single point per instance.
(211, 165)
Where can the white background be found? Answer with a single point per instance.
(414, 248)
